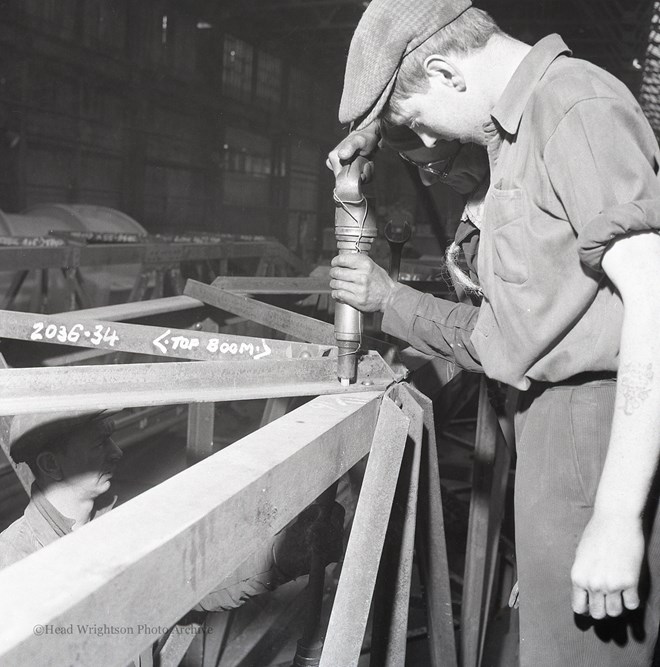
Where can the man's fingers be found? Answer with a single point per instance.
(613, 604)
(580, 600)
(347, 275)
(344, 296)
(597, 605)
(350, 260)
(631, 598)
(353, 145)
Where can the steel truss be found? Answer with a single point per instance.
(151, 560)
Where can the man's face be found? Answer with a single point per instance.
(466, 165)
(442, 113)
(88, 463)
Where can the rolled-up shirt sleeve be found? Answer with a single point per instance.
(434, 326)
(639, 216)
(602, 161)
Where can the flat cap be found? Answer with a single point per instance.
(32, 433)
(388, 31)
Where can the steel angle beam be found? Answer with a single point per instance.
(392, 595)
(137, 309)
(350, 611)
(142, 339)
(299, 326)
(73, 256)
(153, 558)
(432, 545)
(130, 385)
(293, 286)
(280, 319)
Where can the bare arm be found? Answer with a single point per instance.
(609, 557)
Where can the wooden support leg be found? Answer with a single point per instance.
(350, 611)
(159, 283)
(139, 287)
(16, 283)
(201, 420)
(274, 409)
(39, 293)
(392, 595)
(177, 283)
(432, 547)
(78, 294)
(199, 443)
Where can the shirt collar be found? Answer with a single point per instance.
(49, 523)
(509, 109)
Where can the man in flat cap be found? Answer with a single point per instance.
(72, 459)
(569, 263)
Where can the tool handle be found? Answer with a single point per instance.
(395, 260)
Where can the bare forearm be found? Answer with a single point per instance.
(609, 557)
(632, 457)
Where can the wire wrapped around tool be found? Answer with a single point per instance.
(354, 233)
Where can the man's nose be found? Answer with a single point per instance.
(428, 140)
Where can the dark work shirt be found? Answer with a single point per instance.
(40, 525)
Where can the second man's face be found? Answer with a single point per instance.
(88, 463)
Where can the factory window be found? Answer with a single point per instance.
(102, 118)
(303, 196)
(650, 87)
(269, 80)
(54, 16)
(100, 179)
(105, 23)
(247, 153)
(173, 137)
(237, 63)
(50, 93)
(300, 95)
(247, 166)
(304, 168)
(173, 42)
(173, 198)
(185, 45)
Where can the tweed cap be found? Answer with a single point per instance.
(32, 433)
(388, 31)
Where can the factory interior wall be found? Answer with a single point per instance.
(134, 106)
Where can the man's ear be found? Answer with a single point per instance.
(49, 465)
(445, 71)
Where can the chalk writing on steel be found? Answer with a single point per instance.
(167, 342)
(71, 334)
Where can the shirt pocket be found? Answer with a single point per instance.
(506, 216)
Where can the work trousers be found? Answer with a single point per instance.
(562, 436)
